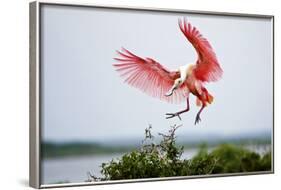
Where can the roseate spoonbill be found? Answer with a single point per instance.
(174, 86)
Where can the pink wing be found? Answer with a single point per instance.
(148, 76)
(207, 66)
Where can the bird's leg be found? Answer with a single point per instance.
(171, 115)
(198, 119)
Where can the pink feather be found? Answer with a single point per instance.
(207, 67)
(149, 76)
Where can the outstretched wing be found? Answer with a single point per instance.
(148, 76)
(207, 67)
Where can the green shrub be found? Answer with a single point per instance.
(152, 160)
(233, 159)
(164, 160)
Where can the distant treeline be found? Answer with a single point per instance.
(49, 149)
(234, 141)
(52, 149)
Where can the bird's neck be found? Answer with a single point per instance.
(185, 71)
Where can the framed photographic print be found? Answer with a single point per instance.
(126, 94)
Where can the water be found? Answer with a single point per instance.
(75, 169)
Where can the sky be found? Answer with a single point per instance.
(84, 99)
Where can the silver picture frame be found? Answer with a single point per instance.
(35, 90)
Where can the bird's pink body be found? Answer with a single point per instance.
(154, 79)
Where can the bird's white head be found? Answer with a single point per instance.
(185, 71)
(177, 83)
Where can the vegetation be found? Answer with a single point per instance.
(164, 160)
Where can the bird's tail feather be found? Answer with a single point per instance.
(209, 99)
